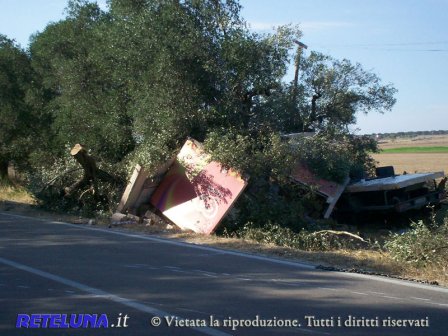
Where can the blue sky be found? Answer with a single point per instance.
(405, 42)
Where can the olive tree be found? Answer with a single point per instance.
(16, 115)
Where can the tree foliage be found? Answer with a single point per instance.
(339, 90)
(330, 94)
(16, 117)
(134, 81)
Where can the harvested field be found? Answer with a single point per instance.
(414, 162)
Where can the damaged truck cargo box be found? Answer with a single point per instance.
(196, 193)
(397, 193)
(191, 190)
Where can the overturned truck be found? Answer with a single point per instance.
(195, 193)
(388, 192)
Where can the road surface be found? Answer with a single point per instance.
(137, 282)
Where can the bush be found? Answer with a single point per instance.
(48, 178)
(422, 245)
(304, 239)
(335, 155)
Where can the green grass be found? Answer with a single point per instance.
(404, 150)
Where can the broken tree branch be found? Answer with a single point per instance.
(342, 233)
(49, 183)
(91, 172)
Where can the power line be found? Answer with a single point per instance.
(384, 47)
(385, 44)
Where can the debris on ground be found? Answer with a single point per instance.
(122, 219)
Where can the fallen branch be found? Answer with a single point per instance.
(342, 233)
(59, 176)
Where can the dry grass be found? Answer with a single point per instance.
(15, 194)
(414, 162)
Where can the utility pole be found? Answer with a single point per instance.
(295, 89)
(300, 46)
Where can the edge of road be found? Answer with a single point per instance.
(276, 260)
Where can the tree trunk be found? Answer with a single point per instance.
(4, 170)
(91, 172)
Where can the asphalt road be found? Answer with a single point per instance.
(57, 268)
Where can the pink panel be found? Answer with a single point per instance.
(197, 193)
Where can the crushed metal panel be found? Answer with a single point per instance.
(133, 189)
(151, 183)
(335, 197)
(330, 190)
(197, 193)
(393, 182)
(141, 186)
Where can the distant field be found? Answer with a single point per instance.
(419, 154)
(414, 162)
(434, 149)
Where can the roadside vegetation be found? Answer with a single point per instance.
(419, 251)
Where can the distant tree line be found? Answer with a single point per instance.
(409, 134)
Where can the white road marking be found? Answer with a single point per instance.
(21, 286)
(207, 273)
(286, 283)
(438, 304)
(391, 297)
(105, 295)
(422, 299)
(378, 293)
(359, 293)
(210, 275)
